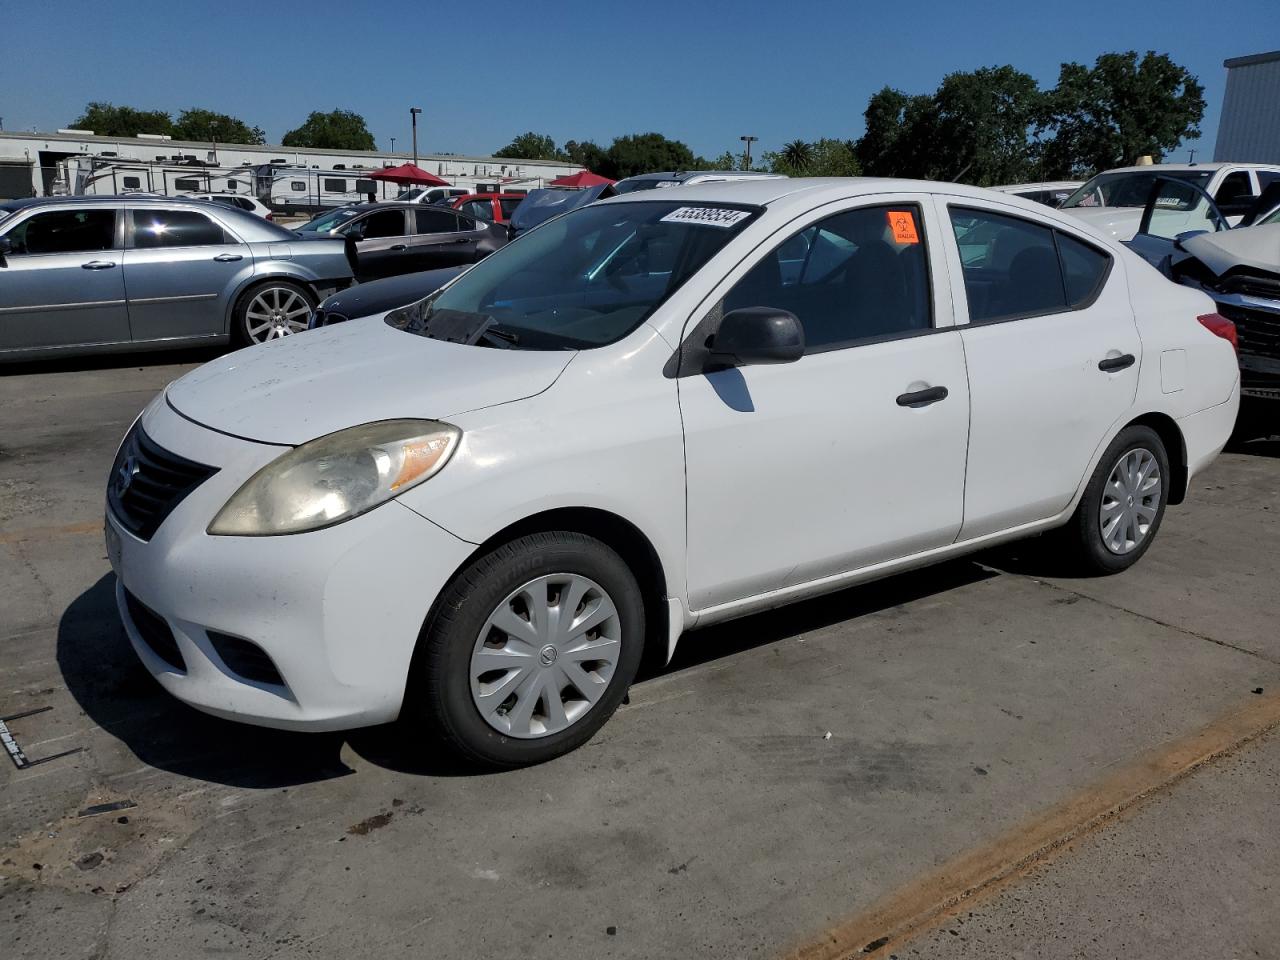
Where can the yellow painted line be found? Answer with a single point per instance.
(983, 871)
(51, 533)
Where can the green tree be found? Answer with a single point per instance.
(645, 153)
(898, 134)
(108, 120)
(531, 146)
(796, 156)
(586, 154)
(200, 124)
(1118, 110)
(827, 157)
(335, 130)
(981, 123)
(726, 161)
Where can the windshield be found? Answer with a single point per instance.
(582, 280)
(1128, 189)
(631, 186)
(328, 221)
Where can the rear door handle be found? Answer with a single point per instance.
(228, 257)
(97, 265)
(922, 398)
(463, 240)
(1114, 364)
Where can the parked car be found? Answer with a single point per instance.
(378, 297)
(90, 274)
(1112, 201)
(662, 410)
(493, 207)
(543, 204)
(394, 238)
(431, 194)
(1051, 194)
(1238, 267)
(238, 200)
(676, 178)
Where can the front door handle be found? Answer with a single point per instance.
(228, 257)
(398, 246)
(97, 265)
(922, 398)
(463, 240)
(1114, 364)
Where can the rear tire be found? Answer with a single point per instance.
(1122, 507)
(271, 310)
(502, 678)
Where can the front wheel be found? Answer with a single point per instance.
(1122, 507)
(271, 310)
(531, 649)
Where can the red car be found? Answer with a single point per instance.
(494, 207)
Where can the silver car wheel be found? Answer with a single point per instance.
(1130, 501)
(276, 312)
(545, 655)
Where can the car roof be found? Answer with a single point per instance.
(1210, 167)
(760, 191)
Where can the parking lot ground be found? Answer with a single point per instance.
(712, 817)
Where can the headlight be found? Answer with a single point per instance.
(337, 477)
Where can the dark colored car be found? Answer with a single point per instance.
(541, 205)
(381, 296)
(394, 238)
(495, 207)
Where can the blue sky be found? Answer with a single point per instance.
(703, 72)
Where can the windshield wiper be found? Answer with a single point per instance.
(505, 337)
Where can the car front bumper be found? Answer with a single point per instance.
(337, 611)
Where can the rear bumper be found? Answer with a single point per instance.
(1205, 433)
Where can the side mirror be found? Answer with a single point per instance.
(755, 335)
(6, 248)
(354, 233)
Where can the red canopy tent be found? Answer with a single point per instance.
(583, 178)
(408, 173)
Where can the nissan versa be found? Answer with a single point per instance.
(652, 413)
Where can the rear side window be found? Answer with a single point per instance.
(384, 223)
(434, 221)
(509, 205)
(856, 276)
(1015, 268)
(64, 231)
(175, 228)
(476, 208)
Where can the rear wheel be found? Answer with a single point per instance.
(1122, 507)
(271, 310)
(531, 649)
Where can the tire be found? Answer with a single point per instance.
(455, 690)
(278, 307)
(1090, 548)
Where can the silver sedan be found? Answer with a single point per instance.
(90, 274)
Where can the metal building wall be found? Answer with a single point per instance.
(1249, 129)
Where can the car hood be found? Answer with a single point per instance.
(1119, 222)
(1256, 247)
(293, 390)
(379, 296)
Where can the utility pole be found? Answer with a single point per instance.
(413, 115)
(393, 144)
(746, 164)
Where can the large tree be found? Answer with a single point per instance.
(586, 154)
(530, 146)
(898, 136)
(827, 157)
(645, 153)
(1120, 109)
(108, 120)
(335, 130)
(981, 122)
(200, 124)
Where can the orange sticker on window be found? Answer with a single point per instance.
(903, 225)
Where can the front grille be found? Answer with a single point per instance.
(155, 632)
(1251, 285)
(147, 482)
(245, 659)
(1258, 331)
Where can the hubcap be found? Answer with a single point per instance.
(276, 312)
(545, 656)
(1130, 501)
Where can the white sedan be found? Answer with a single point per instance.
(653, 413)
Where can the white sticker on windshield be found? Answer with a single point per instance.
(707, 216)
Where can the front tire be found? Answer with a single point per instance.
(1123, 505)
(530, 649)
(271, 310)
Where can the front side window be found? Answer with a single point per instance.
(329, 220)
(1015, 268)
(64, 231)
(1235, 193)
(855, 276)
(583, 280)
(434, 221)
(175, 228)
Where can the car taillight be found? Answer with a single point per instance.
(1220, 326)
(271, 217)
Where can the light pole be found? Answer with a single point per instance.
(393, 144)
(413, 115)
(748, 141)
